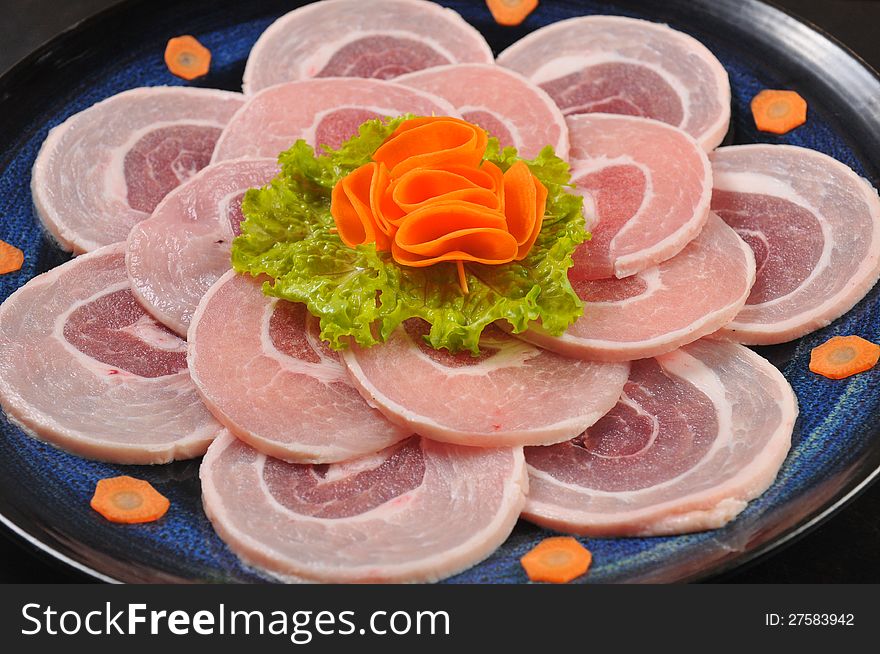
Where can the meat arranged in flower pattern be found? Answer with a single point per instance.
(509, 395)
(814, 226)
(175, 255)
(661, 308)
(322, 112)
(502, 102)
(85, 368)
(265, 373)
(647, 188)
(106, 168)
(611, 64)
(697, 434)
(346, 38)
(417, 511)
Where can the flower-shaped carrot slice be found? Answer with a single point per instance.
(778, 112)
(844, 356)
(356, 207)
(525, 200)
(557, 560)
(422, 186)
(430, 143)
(128, 500)
(11, 258)
(187, 58)
(454, 231)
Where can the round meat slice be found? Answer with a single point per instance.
(350, 38)
(511, 394)
(105, 169)
(417, 511)
(265, 373)
(690, 296)
(814, 226)
(502, 102)
(178, 253)
(324, 112)
(697, 434)
(85, 368)
(617, 65)
(646, 186)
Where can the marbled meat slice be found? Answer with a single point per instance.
(513, 393)
(814, 226)
(612, 64)
(646, 186)
(106, 168)
(662, 308)
(351, 38)
(500, 101)
(84, 367)
(417, 511)
(264, 372)
(178, 253)
(697, 434)
(322, 112)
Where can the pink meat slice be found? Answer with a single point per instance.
(647, 188)
(511, 394)
(814, 225)
(106, 168)
(349, 38)
(697, 434)
(500, 101)
(178, 253)
(417, 511)
(322, 112)
(660, 309)
(264, 372)
(617, 65)
(85, 368)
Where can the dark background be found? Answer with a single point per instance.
(844, 549)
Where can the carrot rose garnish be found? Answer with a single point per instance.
(424, 217)
(429, 196)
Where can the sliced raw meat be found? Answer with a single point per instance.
(417, 511)
(647, 188)
(178, 253)
(500, 101)
(350, 38)
(85, 368)
(697, 434)
(662, 308)
(264, 372)
(323, 112)
(611, 64)
(511, 394)
(814, 225)
(106, 168)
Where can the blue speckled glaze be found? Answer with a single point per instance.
(46, 492)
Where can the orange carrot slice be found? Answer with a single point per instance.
(356, 207)
(511, 12)
(778, 112)
(557, 560)
(11, 258)
(187, 58)
(525, 201)
(422, 186)
(431, 142)
(844, 356)
(453, 231)
(127, 500)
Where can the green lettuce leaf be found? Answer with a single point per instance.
(287, 235)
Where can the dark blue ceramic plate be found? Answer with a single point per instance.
(44, 493)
